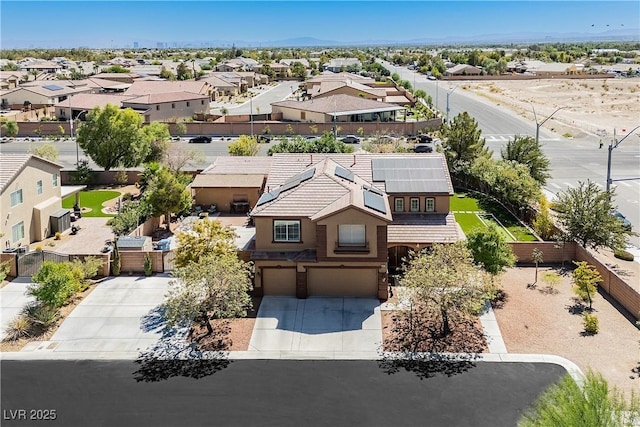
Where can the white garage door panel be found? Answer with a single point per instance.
(279, 281)
(355, 282)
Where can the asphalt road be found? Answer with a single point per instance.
(270, 393)
(571, 160)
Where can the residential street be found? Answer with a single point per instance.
(271, 393)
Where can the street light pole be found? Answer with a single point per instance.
(448, 95)
(614, 144)
(539, 125)
(251, 114)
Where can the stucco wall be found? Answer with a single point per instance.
(351, 216)
(264, 235)
(442, 203)
(223, 197)
(34, 171)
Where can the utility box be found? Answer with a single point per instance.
(60, 221)
(135, 243)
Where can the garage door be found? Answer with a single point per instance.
(279, 281)
(357, 282)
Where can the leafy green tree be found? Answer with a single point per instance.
(183, 72)
(177, 157)
(420, 94)
(10, 128)
(298, 70)
(525, 150)
(543, 224)
(181, 128)
(204, 239)
(46, 151)
(490, 249)
(167, 74)
(132, 213)
(327, 143)
(267, 71)
(83, 174)
(167, 193)
(585, 281)
(158, 136)
(585, 215)
(116, 69)
(445, 280)
(244, 146)
(113, 137)
(463, 143)
(54, 284)
(215, 288)
(594, 404)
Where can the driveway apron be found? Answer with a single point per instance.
(317, 324)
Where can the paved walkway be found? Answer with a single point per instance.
(317, 324)
(13, 299)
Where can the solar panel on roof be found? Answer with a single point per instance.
(374, 201)
(289, 185)
(372, 189)
(267, 197)
(308, 174)
(341, 172)
(52, 87)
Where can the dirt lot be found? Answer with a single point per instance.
(534, 320)
(589, 104)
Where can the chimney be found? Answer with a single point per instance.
(311, 162)
(354, 160)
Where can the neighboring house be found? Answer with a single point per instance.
(9, 80)
(540, 68)
(281, 71)
(40, 66)
(338, 224)
(84, 102)
(169, 106)
(340, 77)
(463, 70)
(48, 94)
(118, 77)
(157, 87)
(337, 65)
(349, 87)
(235, 78)
(231, 183)
(30, 195)
(291, 61)
(335, 224)
(221, 87)
(336, 108)
(237, 64)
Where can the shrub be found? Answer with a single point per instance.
(148, 265)
(39, 248)
(4, 270)
(54, 284)
(19, 327)
(127, 196)
(591, 323)
(623, 255)
(87, 268)
(115, 262)
(43, 315)
(121, 177)
(57, 235)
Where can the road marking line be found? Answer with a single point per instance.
(626, 184)
(569, 185)
(555, 185)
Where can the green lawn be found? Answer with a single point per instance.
(93, 200)
(469, 221)
(462, 202)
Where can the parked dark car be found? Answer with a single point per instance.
(423, 148)
(350, 139)
(264, 138)
(626, 224)
(200, 140)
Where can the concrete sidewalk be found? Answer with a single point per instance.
(13, 300)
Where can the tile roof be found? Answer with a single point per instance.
(331, 85)
(248, 165)
(423, 229)
(88, 101)
(148, 87)
(159, 98)
(344, 76)
(323, 194)
(227, 181)
(339, 105)
(12, 164)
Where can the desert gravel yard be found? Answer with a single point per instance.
(534, 320)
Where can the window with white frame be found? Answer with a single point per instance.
(17, 231)
(398, 204)
(286, 231)
(54, 180)
(39, 187)
(429, 204)
(351, 235)
(414, 204)
(16, 198)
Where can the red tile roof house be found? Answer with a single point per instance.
(338, 224)
(168, 107)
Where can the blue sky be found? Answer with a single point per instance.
(119, 24)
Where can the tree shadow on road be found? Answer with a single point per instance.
(428, 365)
(174, 355)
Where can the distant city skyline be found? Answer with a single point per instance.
(113, 24)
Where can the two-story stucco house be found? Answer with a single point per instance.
(337, 224)
(30, 193)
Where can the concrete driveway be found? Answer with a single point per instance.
(119, 317)
(318, 327)
(13, 299)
